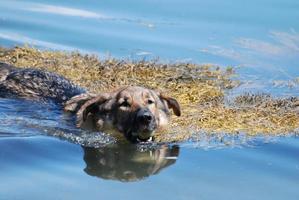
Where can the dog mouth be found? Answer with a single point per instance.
(142, 130)
(145, 133)
(141, 136)
(142, 140)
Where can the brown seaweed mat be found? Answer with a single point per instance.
(200, 89)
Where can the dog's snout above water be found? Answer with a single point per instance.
(144, 116)
(145, 125)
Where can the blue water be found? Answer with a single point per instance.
(43, 155)
(48, 168)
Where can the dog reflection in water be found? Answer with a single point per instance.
(127, 163)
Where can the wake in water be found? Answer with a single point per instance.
(22, 118)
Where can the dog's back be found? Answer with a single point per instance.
(5, 69)
(35, 84)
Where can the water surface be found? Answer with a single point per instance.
(48, 168)
(43, 155)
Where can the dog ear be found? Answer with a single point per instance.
(91, 106)
(74, 104)
(172, 103)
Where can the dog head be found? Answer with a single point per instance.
(134, 111)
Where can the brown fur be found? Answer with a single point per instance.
(134, 111)
(124, 110)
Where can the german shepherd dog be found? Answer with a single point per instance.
(136, 112)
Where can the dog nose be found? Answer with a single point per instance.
(145, 117)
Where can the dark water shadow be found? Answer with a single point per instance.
(128, 163)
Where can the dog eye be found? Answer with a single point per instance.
(150, 101)
(125, 104)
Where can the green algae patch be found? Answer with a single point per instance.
(200, 89)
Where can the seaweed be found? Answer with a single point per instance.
(200, 89)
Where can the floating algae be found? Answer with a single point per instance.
(200, 89)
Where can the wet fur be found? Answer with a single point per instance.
(106, 112)
(103, 112)
(35, 84)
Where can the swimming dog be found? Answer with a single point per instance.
(134, 111)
